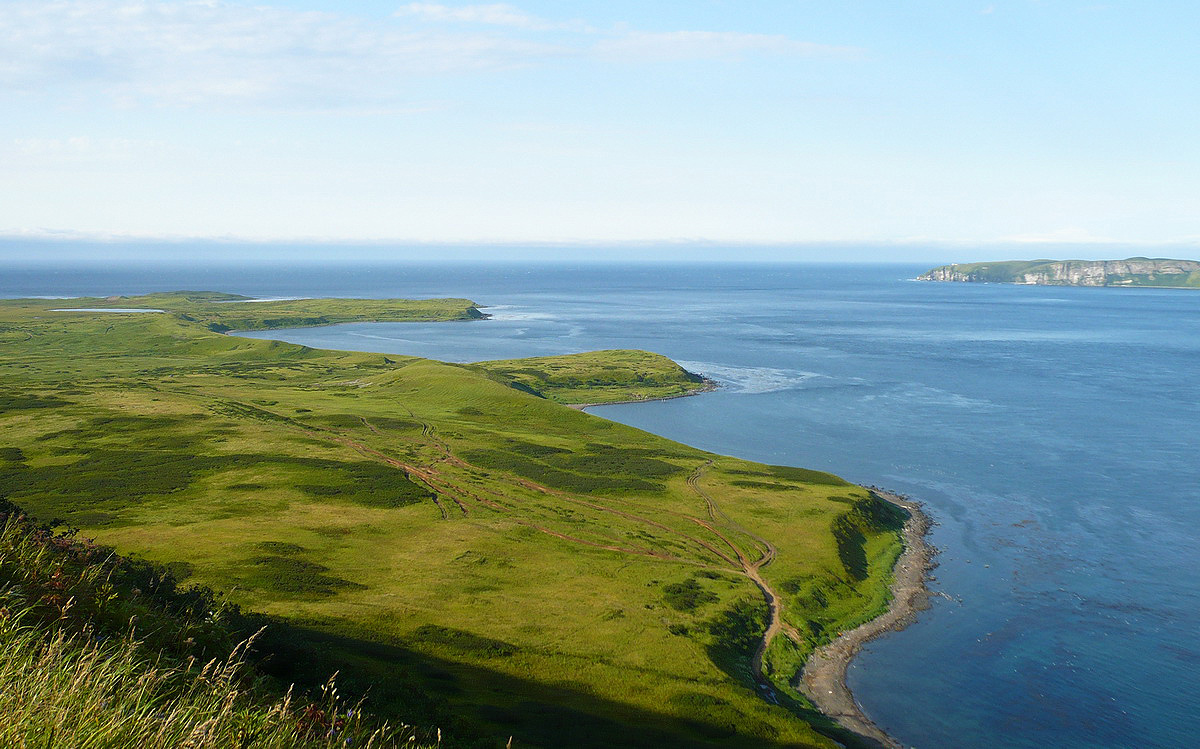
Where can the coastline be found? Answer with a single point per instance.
(823, 679)
(709, 386)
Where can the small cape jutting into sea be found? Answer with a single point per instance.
(824, 677)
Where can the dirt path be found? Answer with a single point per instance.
(443, 488)
(775, 623)
(824, 677)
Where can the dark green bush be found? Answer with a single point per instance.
(687, 595)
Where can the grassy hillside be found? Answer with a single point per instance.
(600, 376)
(100, 650)
(479, 557)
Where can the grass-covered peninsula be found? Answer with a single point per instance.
(1135, 271)
(468, 552)
(600, 376)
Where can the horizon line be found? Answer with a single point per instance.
(69, 237)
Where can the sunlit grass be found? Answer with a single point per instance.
(373, 500)
(87, 660)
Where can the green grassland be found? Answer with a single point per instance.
(600, 376)
(480, 557)
(222, 312)
(99, 650)
(1168, 281)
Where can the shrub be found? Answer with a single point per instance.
(687, 595)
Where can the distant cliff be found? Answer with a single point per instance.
(1136, 271)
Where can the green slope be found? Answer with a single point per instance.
(1007, 271)
(600, 376)
(101, 650)
(480, 557)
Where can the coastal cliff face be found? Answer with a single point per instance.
(1131, 272)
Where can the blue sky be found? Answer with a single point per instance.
(895, 123)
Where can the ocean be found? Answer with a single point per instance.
(1050, 432)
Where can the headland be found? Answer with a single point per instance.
(1134, 271)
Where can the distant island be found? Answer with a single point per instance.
(1134, 271)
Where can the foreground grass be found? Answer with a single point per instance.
(73, 673)
(475, 556)
(65, 691)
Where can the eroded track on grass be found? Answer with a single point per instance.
(439, 484)
(443, 487)
(717, 524)
(767, 552)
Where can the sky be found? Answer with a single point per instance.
(897, 124)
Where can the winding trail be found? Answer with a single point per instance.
(444, 488)
(823, 677)
(775, 623)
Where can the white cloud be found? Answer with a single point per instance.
(79, 146)
(495, 14)
(682, 45)
(131, 53)
(81, 152)
(201, 53)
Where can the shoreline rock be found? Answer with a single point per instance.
(823, 679)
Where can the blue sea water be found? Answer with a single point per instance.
(1051, 433)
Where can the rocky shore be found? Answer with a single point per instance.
(708, 387)
(824, 677)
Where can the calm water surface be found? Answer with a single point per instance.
(1050, 431)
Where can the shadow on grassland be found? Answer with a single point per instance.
(476, 707)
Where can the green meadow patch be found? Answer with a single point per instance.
(289, 574)
(599, 376)
(687, 595)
